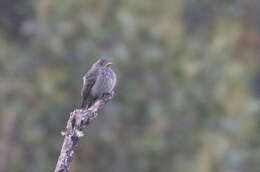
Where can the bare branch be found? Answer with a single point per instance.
(79, 119)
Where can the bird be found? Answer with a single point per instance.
(99, 80)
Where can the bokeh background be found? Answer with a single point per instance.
(187, 98)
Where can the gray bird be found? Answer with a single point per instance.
(99, 80)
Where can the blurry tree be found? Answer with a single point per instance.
(183, 100)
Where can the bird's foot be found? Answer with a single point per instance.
(107, 96)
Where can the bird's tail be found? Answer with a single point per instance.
(84, 104)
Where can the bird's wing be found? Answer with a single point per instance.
(88, 82)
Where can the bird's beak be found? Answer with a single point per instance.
(108, 64)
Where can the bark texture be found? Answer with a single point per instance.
(79, 119)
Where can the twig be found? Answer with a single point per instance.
(79, 119)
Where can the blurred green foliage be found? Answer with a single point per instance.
(187, 97)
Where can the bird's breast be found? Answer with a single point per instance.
(105, 82)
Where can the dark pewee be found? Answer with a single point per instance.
(99, 80)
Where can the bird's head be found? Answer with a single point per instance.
(103, 62)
